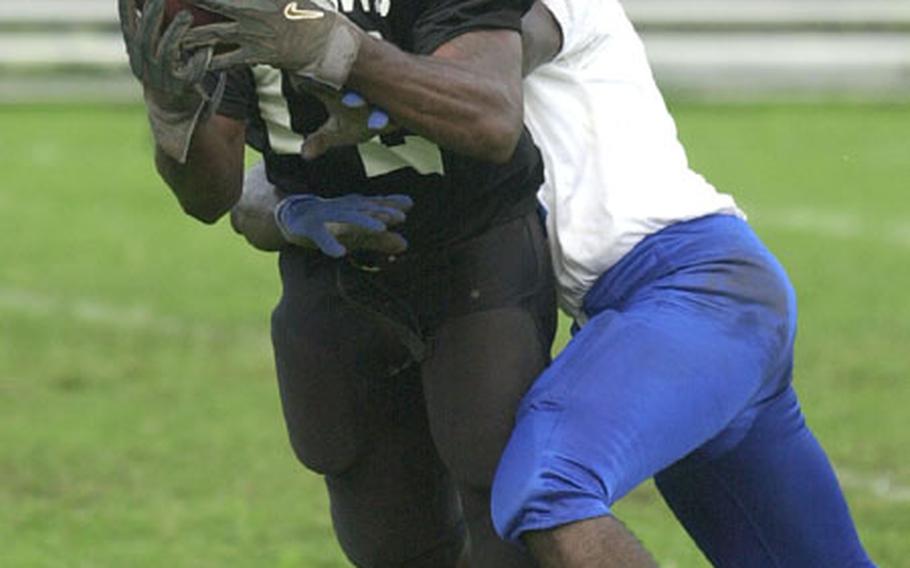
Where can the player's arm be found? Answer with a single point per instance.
(210, 181)
(198, 154)
(352, 121)
(466, 96)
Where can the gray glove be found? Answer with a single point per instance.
(351, 120)
(306, 37)
(171, 81)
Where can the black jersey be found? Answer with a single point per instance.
(455, 197)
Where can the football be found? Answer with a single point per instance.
(173, 7)
(200, 17)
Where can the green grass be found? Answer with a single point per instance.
(139, 423)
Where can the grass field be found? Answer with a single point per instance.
(139, 423)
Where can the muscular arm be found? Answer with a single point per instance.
(211, 180)
(465, 97)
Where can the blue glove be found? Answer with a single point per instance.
(377, 120)
(307, 220)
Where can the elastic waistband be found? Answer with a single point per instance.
(677, 247)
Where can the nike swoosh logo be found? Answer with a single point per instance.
(293, 12)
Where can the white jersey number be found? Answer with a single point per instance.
(378, 158)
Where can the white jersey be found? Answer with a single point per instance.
(615, 169)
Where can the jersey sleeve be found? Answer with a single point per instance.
(578, 20)
(447, 19)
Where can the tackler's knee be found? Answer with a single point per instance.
(538, 491)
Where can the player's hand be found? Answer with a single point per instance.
(155, 54)
(351, 120)
(350, 222)
(303, 37)
(254, 217)
(171, 79)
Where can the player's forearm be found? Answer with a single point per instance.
(466, 97)
(211, 180)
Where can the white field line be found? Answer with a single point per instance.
(122, 318)
(880, 485)
(834, 224)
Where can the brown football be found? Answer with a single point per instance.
(200, 17)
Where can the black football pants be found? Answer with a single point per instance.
(409, 450)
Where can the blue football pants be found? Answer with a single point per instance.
(682, 372)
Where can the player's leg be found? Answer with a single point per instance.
(472, 391)
(682, 347)
(392, 501)
(627, 397)
(598, 542)
(397, 506)
(762, 492)
(484, 356)
(770, 500)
